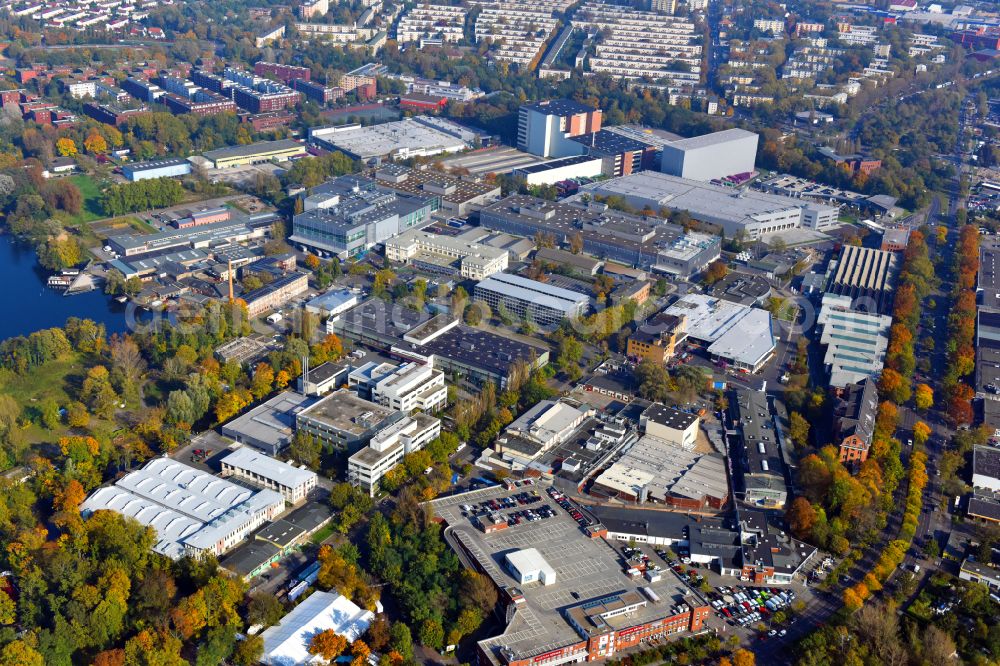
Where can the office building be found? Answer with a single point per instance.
(255, 153)
(348, 216)
(530, 300)
(547, 128)
(405, 387)
(711, 156)
(293, 483)
(345, 421)
(167, 168)
(854, 420)
(193, 512)
(439, 253)
(385, 450)
(743, 211)
(657, 338)
(620, 154)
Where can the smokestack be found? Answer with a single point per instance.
(229, 273)
(305, 375)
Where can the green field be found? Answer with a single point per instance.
(91, 191)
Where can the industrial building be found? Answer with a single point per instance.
(736, 211)
(462, 352)
(648, 243)
(561, 169)
(671, 425)
(711, 156)
(193, 512)
(255, 153)
(407, 387)
(735, 334)
(756, 449)
(457, 196)
(288, 641)
(526, 299)
(544, 426)
(348, 216)
(547, 128)
(440, 253)
(275, 293)
(855, 341)
(867, 277)
(333, 302)
(324, 378)
(657, 471)
(420, 136)
(621, 153)
(270, 426)
(238, 228)
(167, 168)
(563, 593)
(293, 483)
(345, 421)
(385, 450)
(986, 468)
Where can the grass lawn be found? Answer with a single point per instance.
(322, 534)
(91, 191)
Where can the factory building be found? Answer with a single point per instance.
(255, 153)
(348, 216)
(193, 512)
(437, 252)
(526, 299)
(711, 156)
(867, 277)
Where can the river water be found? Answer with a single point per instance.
(27, 304)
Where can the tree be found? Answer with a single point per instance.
(743, 658)
(923, 397)
(400, 640)
(716, 271)
(328, 644)
(77, 415)
(921, 433)
(95, 143)
(801, 517)
(264, 609)
(249, 651)
(66, 147)
(798, 428)
(305, 449)
(263, 380)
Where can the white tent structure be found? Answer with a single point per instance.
(287, 643)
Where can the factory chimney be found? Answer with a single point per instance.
(305, 375)
(229, 273)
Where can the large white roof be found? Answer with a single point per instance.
(269, 468)
(287, 643)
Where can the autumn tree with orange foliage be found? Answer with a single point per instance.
(328, 644)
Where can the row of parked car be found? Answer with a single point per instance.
(499, 503)
(530, 515)
(562, 501)
(745, 606)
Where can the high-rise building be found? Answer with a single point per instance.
(546, 128)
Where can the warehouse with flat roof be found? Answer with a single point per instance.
(255, 153)
(167, 168)
(711, 156)
(270, 426)
(734, 210)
